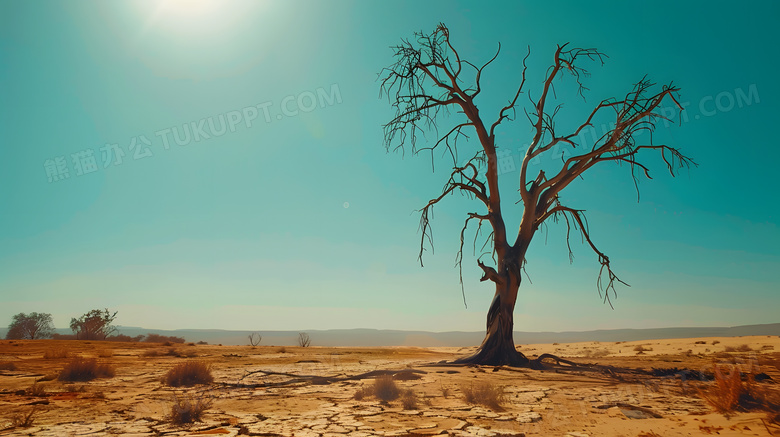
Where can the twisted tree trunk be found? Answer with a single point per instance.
(498, 347)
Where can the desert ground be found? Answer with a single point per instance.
(318, 391)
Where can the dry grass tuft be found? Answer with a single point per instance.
(36, 390)
(595, 353)
(56, 353)
(731, 394)
(740, 348)
(84, 369)
(21, 420)
(189, 373)
(8, 365)
(409, 400)
(639, 349)
(187, 409)
(385, 388)
(362, 393)
(485, 394)
(170, 352)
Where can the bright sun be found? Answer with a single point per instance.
(201, 17)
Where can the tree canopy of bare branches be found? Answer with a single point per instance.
(94, 325)
(31, 326)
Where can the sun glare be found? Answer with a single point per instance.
(193, 17)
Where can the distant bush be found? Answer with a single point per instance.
(485, 394)
(187, 409)
(740, 348)
(595, 353)
(714, 342)
(157, 338)
(55, 353)
(303, 339)
(189, 373)
(83, 369)
(170, 352)
(56, 336)
(125, 338)
(639, 349)
(202, 342)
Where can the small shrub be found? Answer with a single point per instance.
(445, 392)
(83, 369)
(282, 350)
(56, 353)
(730, 393)
(189, 373)
(595, 353)
(202, 342)
(740, 348)
(700, 342)
(73, 388)
(125, 338)
(36, 390)
(362, 393)
(303, 339)
(409, 400)
(106, 353)
(21, 420)
(165, 339)
(639, 349)
(714, 342)
(187, 409)
(385, 389)
(8, 365)
(485, 394)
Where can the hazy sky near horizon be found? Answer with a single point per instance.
(225, 166)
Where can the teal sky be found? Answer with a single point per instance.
(276, 207)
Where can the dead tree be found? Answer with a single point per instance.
(255, 338)
(429, 76)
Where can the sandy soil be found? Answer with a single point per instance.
(536, 403)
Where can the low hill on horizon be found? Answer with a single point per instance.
(384, 338)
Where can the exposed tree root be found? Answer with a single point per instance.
(405, 374)
(543, 362)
